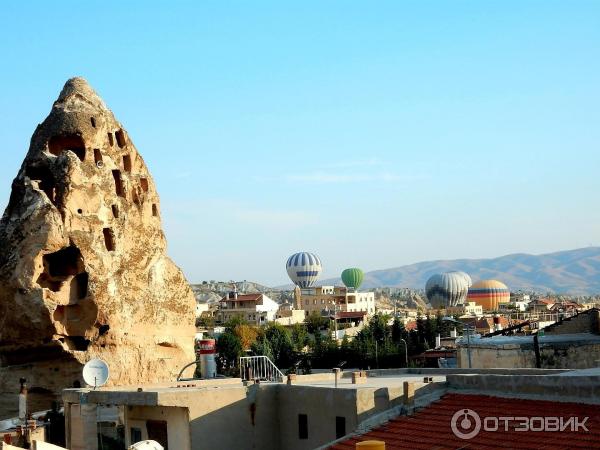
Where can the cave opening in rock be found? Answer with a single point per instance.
(81, 281)
(154, 210)
(73, 142)
(65, 267)
(115, 211)
(127, 163)
(109, 239)
(103, 329)
(98, 157)
(45, 281)
(93, 121)
(144, 184)
(64, 262)
(111, 141)
(45, 179)
(77, 343)
(120, 135)
(118, 183)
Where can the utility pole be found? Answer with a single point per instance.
(469, 344)
(405, 351)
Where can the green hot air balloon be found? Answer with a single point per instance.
(352, 277)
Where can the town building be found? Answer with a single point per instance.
(202, 308)
(254, 308)
(573, 343)
(466, 309)
(331, 299)
(540, 305)
(406, 408)
(287, 315)
(513, 306)
(485, 325)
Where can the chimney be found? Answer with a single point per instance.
(23, 400)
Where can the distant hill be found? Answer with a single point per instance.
(212, 291)
(575, 272)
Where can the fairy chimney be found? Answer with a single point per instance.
(83, 265)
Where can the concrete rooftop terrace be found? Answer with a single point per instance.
(199, 413)
(167, 393)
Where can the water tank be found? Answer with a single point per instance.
(206, 355)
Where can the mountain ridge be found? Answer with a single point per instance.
(574, 272)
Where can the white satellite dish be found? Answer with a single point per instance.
(95, 373)
(146, 445)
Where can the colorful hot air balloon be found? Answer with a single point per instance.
(304, 268)
(447, 289)
(488, 294)
(352, 278)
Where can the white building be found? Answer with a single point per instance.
(468, 309)
(201, 308)
(334, 298)
(517, 306)
(254, 308)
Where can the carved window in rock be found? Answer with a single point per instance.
(72, 142)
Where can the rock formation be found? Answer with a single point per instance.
(83, 265)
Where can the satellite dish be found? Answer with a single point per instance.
(95, 373)
(146, 445)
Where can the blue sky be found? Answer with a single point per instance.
(375, 134)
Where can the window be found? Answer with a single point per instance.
(302, 426)
(136, 435)
(340, 427)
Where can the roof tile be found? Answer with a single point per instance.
(430, 428)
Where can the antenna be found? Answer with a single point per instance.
(95, 373)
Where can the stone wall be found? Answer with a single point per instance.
(555, 355)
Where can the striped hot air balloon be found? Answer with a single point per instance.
(488, 294)
(447, 289)
(352, 277)
(304, 269)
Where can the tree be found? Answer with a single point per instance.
(281, 345)
(378, 327)
(299, 335)
(206, 321)
(247, 334)
(315, 323)
(229, 348)
(398, 331)
(261, 346)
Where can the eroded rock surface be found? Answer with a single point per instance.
(83, 265)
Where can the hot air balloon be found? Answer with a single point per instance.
(488, 294)
(447, 289)
(352, 277)
(465, 275)
(304, 268)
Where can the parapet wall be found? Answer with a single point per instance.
(566, 388)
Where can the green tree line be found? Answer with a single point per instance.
(302, 347)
